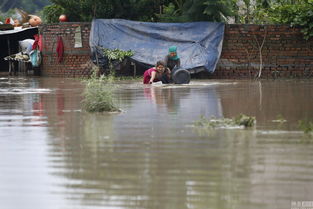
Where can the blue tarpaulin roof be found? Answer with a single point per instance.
(199, 44)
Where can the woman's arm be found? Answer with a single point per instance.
(168, 72)
(153, 74)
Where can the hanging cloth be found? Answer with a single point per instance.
(35, 58)
(38, 42)
(60, 49)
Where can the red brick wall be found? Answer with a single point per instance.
(76, 61)
(285, 53)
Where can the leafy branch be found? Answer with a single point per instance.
(116, 55)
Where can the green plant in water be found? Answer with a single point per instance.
(241, 120)
(244, 120)
(307, 127)
(98, 95)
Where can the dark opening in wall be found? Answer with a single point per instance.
(9, 44)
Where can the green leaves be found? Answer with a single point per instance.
(218, 10)
(307, 127)
(300, 14)
(117, 54)
(86, 10)
(52, 13)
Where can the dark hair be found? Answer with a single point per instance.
(160, 63)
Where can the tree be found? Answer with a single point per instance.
(295, 13)
(86, 10)
(198, 10)
(30, 6)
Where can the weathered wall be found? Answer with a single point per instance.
(284, 54)
(76, 61)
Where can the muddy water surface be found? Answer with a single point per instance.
(150, 156)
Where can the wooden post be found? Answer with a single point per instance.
(10, 67)
(9, 53)
(134, 64)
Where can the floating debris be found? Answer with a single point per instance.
(279, 119)
(239, 121)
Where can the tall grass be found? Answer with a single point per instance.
(98, 94)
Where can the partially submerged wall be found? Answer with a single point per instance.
(284, 53)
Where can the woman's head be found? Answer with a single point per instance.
(172, 51)
(160, 66)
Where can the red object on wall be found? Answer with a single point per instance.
(38, 42)
(60, 49)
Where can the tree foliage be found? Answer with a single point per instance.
(197, 10)
(86, 10)
(30, 6)
(293, 12)
(144, 10)
(299, 14)
(52, 12)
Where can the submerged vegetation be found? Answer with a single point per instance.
(245, 121)
(307, 127)
(98, 95)
(241, 121)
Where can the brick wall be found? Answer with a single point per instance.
(285, 53)
(76, 61)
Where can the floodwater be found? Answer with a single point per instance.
(151, 156)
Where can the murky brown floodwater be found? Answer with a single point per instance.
(54, 156)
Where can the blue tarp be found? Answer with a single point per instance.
(199, 44)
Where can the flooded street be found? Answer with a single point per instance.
(151, 156)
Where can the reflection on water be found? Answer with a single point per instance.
(53, 155)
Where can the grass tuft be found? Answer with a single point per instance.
(98, 94)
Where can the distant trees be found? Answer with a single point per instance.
(293, 12)
(197, 10)
(144, 10)
(85, 10)
(30, 6)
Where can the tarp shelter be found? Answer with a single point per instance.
(199, 43)
(9, 43)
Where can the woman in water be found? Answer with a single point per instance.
(154, 74)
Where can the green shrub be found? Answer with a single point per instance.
(98, 95)
(51, 13)
(300, 14)
(116, 55)
(307, 127)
